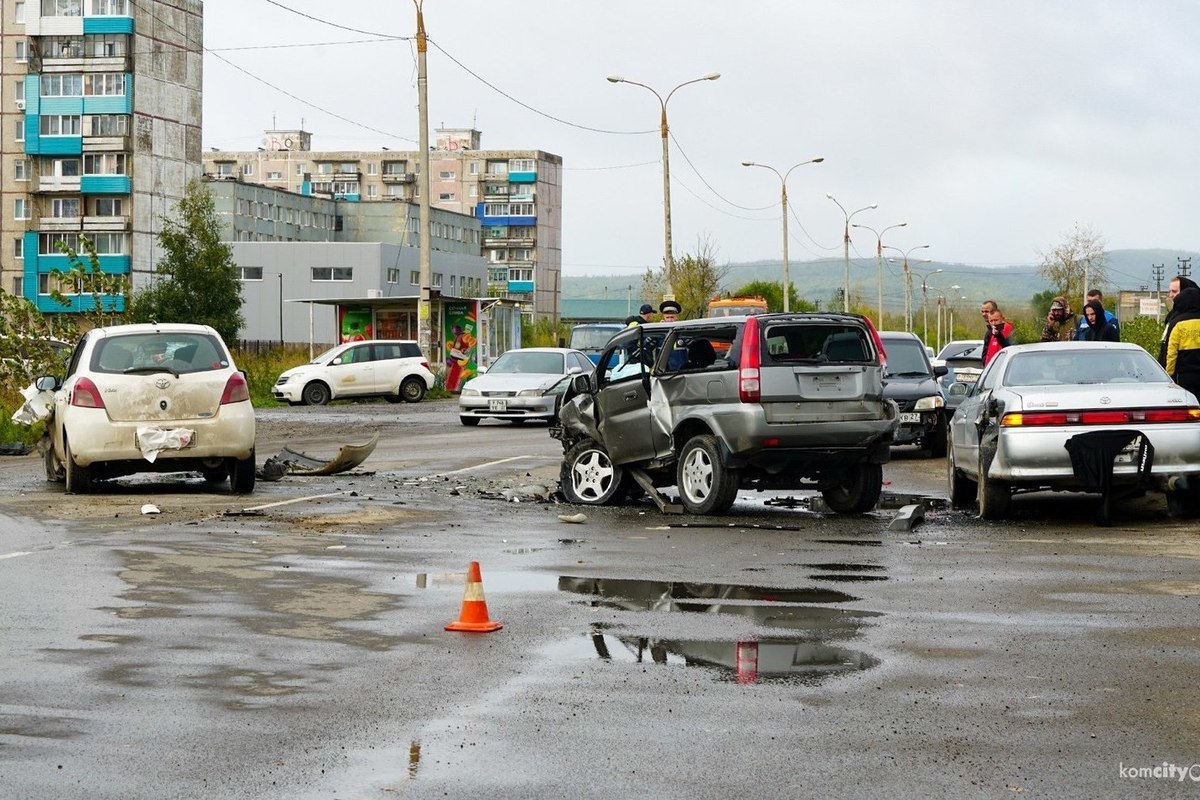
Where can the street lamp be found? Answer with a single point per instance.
(925, 302)
(954, 295)
(668, 258)
(783, 195)
(846, 247)
(879, 262)
(907, 283)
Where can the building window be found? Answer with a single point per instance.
(473, 168)
(104, 84)
(48, 243)
(372, 191)
(20, 208)
(104, 164)
(452, 277)
(333, 273)
(18, 249)
(300, 169)
(107, 46)
(250, 273)
(522, 165)
(62, 8)
(447, 175)
(106, 125)
(110, 244)
(19, 12)
(274, 176)
(473, 191)
(437, 280)
(64, 207)
(414, 277)
(109, 207)
(499, 255)
(109, 8)
(19, 130)
(520, 274)
(446, 196)
(65, 168)
(20, 170)
(55, 85)
(393, 275)
(18, 284)
(56, 125)
(373, 168)
(22, 51)
(247, 169)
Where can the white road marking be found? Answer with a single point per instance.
(293, 500)
(493, 463)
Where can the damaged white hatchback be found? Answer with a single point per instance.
(712, 406)
(150, 398)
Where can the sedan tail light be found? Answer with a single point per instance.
(749, 385)
(85, 394)
(1128, 416)
(236, 389)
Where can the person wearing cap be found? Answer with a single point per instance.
(1060, 324)
(670, 310)
(645, 314)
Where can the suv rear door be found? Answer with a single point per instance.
(818, 368)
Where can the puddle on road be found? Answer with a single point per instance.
(809, 658)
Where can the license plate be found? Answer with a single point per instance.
(497, 405)
(966, 377)
(910, 418)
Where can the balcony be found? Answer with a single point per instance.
(59, 183)
(106, 144)
(59, 224)
(507, 241)
(398, 177)
(106, 224)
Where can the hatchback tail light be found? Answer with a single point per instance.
(425, 364)
(236, 389)
(85, 394)
(1128, 416)
(749, 384)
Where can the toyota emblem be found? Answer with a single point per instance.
(162, 383)
(1105, 400)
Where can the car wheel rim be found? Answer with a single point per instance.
(592, 475)
(697, 476)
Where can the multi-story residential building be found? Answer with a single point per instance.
(100, 110)
(515, 194)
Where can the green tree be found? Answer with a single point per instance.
(1143, 330)
(1076, 265)
(772, 292)
(195, 281)
(696, 278)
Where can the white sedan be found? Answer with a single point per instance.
(1074, 416)
(150, 398)
(521, 384)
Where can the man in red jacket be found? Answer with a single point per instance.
(998, 334)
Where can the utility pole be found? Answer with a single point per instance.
(1185, 266)
(424, 316)
(1157, 270)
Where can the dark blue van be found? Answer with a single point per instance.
(591, 337)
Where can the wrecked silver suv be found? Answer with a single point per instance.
(711, 406)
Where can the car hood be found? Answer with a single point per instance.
(513, 382)
(902, 388)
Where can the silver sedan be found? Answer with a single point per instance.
(1074, 416)
(522, 384)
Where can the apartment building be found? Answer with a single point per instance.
(100, 114)
(516, 195)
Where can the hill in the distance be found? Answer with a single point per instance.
(821, 279)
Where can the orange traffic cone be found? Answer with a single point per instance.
(474, 615)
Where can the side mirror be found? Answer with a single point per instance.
(581, 384)
(941, 370)
(47, 383)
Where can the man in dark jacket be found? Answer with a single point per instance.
(1178, 284)
(1097, 328)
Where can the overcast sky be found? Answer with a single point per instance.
(991, 128)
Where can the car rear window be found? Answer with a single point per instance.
(1059, 367)
(906, 357)
(786, 342)
(181, 352)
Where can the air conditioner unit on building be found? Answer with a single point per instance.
(373, 293)
(21, 105)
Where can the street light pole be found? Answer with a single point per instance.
(783, 195)
(668, 256)
(907, 283)
(925, 303)
(846, 247)
(879, 263)
(280, 275)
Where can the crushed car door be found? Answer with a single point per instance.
(622, 401)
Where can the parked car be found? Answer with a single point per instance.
(957, 347)
(795, 401)
(150, 398)
(590, 337)
(393, 369)
(1019, 425)
(963, 367)
(522, 384)
(912, 382)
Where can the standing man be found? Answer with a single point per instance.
(1096, 294)
(645, 314)
(1178, 284)
(986, 308)
(998, 334)
(670, 310)
(1060, 322)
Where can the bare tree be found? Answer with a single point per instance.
(695, 280)
(1076, 265)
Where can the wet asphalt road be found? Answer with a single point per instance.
(297, 650)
